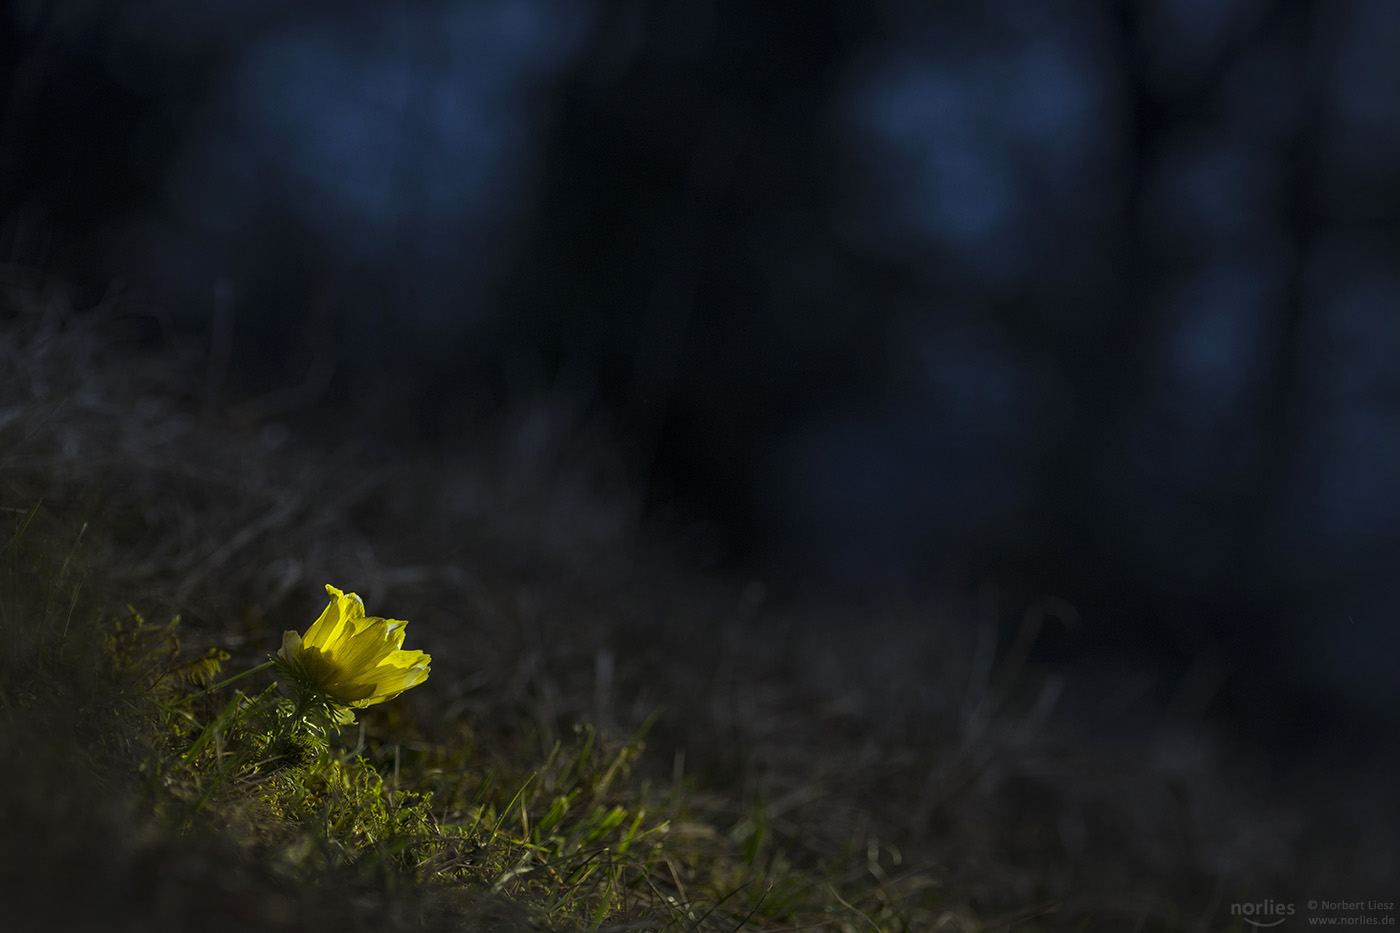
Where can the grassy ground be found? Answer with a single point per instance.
(608, 740)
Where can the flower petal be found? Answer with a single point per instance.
(365, 646)
(396, 631)
(343, 609)
(291, 647)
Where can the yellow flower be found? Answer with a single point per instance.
(350, 659)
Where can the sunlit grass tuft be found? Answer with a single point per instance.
(574, 840)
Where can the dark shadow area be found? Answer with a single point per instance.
(1089, 306)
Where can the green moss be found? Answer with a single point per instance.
(575, 839)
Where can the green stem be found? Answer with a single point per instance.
(295, 718)
(224, 683)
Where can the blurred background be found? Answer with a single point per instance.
(1096, 300)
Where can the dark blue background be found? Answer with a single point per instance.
(1099, 298)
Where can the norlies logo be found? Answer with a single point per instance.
(1264, 914)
